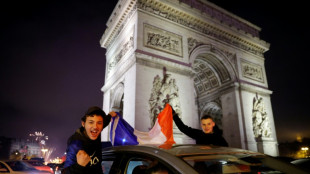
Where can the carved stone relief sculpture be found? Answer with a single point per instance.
(124, 49)
(261, 126)
(162, 40)
(164, 91)
(252, 71)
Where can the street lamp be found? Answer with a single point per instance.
(44, 151)
(305, 150)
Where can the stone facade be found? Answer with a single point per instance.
(196, 56)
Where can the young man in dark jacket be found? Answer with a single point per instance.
(84, 146)
(209, 135)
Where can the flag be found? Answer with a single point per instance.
(161, 133)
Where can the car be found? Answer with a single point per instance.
(40, 165)
(190, 159)
(18, 167)
(303, 163)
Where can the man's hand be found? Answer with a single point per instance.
(82, 158)
(173, 111)
(113, 114)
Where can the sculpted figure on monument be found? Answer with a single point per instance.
(261, 127)
(163, 91)
(153, 101)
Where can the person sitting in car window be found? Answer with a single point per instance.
(84, 146)
(209, 135)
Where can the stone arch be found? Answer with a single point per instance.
(214, 72)
(117, 98)
(215, 57)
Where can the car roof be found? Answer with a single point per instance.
(184, 149)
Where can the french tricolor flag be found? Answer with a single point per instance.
(162, 132)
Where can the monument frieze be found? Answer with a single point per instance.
(162, 40)
(252, 71)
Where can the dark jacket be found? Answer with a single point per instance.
(79, 141)
(214, 138)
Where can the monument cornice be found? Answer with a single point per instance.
(120, 15)
(227, 34)
(222, 15)
(158, 62)
(251, 87)
(234, 31)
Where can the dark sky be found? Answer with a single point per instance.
(52, 66)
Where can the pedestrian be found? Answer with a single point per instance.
(209, 135)
(84, 146)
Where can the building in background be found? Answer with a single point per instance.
(16, 148)
(196, 56)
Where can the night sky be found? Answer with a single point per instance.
(52, 66)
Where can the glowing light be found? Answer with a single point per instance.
(39, 137)
(124, 140)
(44, 150)
(305, 151)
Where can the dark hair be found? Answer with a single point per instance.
(206, 117)
(157, 168)
(94, 110)
(215, 128)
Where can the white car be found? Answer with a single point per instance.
(18, 167)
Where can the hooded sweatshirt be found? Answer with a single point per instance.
(79, 141)
(214, 138)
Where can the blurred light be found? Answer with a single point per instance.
(223, 162)
(44, 150)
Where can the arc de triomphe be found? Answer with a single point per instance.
(198, 57)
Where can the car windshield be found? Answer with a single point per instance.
(231, 163)
(20, 166)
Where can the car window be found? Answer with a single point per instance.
(137, 165)
(107, 164)
(3, 168)
(140, 165)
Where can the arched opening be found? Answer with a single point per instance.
(213, 75)
(118, 98)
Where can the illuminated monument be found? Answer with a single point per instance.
(196, 56)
